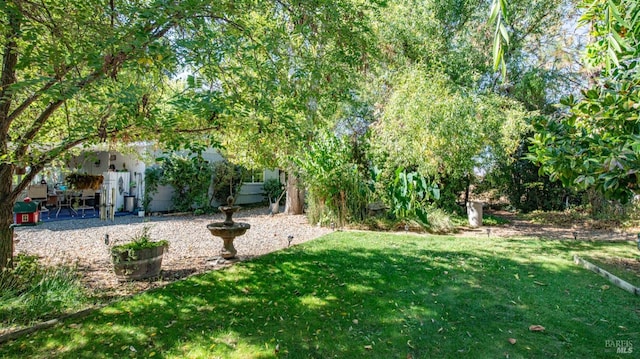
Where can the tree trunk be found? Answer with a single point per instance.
(466, 191)
(295, 196)
(6, 217)
(6, 235)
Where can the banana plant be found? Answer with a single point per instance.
(410, 193)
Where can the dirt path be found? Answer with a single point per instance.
(519, 227)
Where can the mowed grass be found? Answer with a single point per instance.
(368, 295)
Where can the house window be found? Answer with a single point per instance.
(25, 218)
(253, 176)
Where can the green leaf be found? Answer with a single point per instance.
(613, 43)
(613, 57)
(497, 53)
(504, 10)
(613, 10)
(504, 33)
(495, 11)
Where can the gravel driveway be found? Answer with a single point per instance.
(191, 250)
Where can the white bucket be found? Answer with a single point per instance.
(474, 212)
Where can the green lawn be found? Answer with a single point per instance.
(369, 295)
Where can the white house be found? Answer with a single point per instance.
(124, 176)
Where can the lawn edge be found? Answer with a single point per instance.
(605, 274)
(15, 334)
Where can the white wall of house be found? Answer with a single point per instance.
(251, 192)
(162, 199)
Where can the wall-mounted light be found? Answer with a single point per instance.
(97, 163)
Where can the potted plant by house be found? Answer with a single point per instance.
(274, 191)
(139, 259)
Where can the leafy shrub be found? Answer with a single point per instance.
(407, 193)
(524, 185)
(273, 189)
(152, 176)
(336, 189)
(190, 178)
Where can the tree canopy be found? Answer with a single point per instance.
(84, 72)
(595, 143)
(443, 130)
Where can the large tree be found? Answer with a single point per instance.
(309, 71)
(438, 104)
(79, 72)
(595, 143)
(442, 130)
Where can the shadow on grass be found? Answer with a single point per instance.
(362, 295)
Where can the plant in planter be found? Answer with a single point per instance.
(274, 191)
(139, 259)
(84, 181)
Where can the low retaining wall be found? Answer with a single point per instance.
(612, 278)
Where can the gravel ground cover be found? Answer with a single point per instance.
(192, 248)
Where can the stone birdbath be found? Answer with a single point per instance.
(228, 230)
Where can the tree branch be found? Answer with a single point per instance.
(52, 154)
(111, 66)
(198, 130)
(8, 76)
(31, 99)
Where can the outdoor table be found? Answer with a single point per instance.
(65, 200)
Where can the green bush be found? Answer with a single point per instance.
(273, 189)
(526, 188)
(32, 292)
(409, 193)
(190, 178)
(152, 176)
(336, 188)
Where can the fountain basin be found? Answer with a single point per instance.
(219, 229)
(228, 233)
